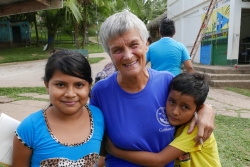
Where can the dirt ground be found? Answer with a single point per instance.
(30, 73)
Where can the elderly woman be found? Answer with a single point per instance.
(133, 98)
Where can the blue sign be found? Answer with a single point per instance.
(221, 21)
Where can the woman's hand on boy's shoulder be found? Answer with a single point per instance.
(205, 123)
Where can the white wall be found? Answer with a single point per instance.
(177, 7)
(174, 7)
(187, 17)
(178, 29)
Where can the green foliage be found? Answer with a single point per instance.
(135, 7)
(153, 9)
(232, 135)
(3, 165)
(52, 19)
(72, 6)
(158, 7)
(67, 28)
(241, 91)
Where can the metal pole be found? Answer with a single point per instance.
(97, 27)
(58, 37)
(26, 39)
(41, 36)
(73, 37)
(86, 38)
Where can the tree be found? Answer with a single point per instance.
(55, 18)
(106, 8)
(81, 10)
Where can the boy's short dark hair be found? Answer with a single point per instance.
(192, 84)
(167, 28)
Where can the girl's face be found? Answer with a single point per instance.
(68, 94)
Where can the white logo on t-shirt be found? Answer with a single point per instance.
(162, 119)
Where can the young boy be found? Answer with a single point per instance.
(188, 92)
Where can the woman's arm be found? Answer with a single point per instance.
(144, 158)
(205, 123)
(21, 154)
(101, 162)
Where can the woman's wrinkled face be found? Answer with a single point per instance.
(128, 53)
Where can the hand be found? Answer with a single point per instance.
(109, 146)
(101, 162)
(205, 123)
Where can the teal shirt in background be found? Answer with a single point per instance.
(167, 54)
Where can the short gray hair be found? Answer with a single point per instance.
(119, 23)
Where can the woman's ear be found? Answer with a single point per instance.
(46, 85)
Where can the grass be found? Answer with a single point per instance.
(95, 59)
(92, 47)
(241, 91)
(18, 54)
(3, 165)
(22, 54)
(232, 135)
(15, 91)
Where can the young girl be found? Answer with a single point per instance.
(68, 132)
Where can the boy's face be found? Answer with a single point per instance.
(180, 108)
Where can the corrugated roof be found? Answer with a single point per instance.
(12, 7)
(7, 2)
(156, 22)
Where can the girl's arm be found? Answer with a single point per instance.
(144, 158)
(21, 154)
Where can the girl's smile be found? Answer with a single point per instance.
(67, 93)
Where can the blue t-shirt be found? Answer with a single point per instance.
(33, 132)
(135, 121)
(167, 54)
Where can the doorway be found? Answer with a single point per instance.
(244, 48)
(16, 32)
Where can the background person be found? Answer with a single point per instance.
(150, 40)
(107, 71)
(69, 132)
(188, 92)
(167, 54)
(133, 98)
